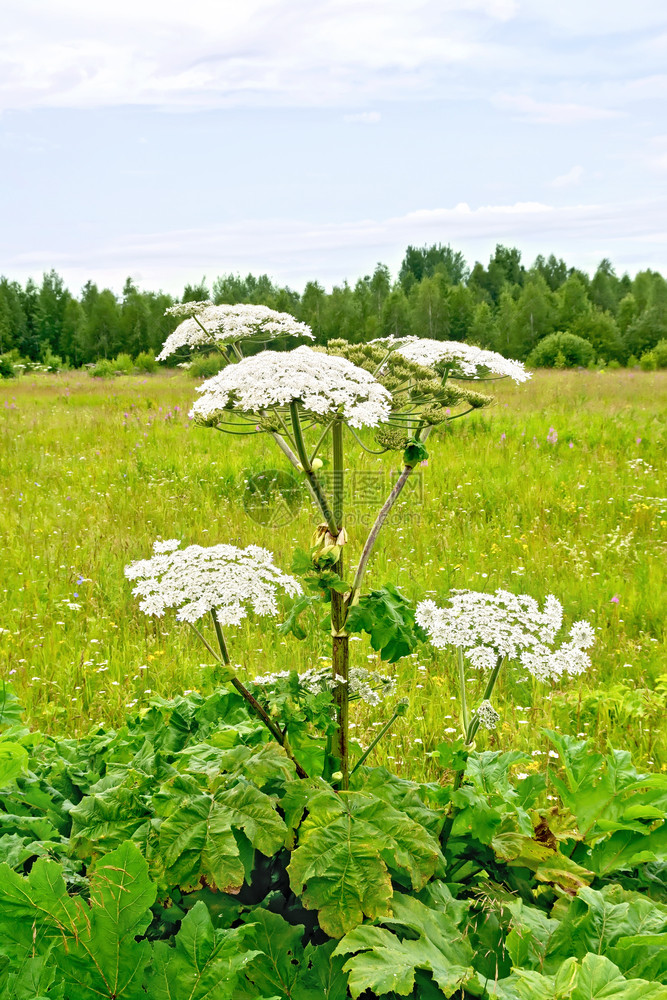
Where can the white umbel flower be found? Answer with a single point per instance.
(200, 579)
(323, 384)
(207, 323)
(487, 715)
(465, 359)
(487, 626)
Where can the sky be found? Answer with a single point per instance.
(310, 139)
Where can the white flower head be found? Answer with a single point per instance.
(487, 715)
(206, 323)
(200, 579)
(464, 359)
(363, 684)
(487, 626)
(323, 384)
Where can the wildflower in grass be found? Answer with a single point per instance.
(489, 627)
(323, 384)
(552, 436)
(615, 599)
(206, 323)
(462, 360)
(220, 578)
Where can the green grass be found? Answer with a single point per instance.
(91, 474)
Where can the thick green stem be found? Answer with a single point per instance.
(462, 685)
(252, 701)
(308, 470)
(340, 641)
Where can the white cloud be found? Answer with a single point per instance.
(570, 178)
(366, 117)
(550, 112)
(294, 251)
(206, 53)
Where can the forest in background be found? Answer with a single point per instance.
(504, 306)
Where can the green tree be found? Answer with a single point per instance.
(196, 293)
(605, 289)
(13, 322)
(424, 262)
(601, 330)
(627, 312)
(313, 304)
(484, 328)
(553, 270)
(572, 302)
(535, 316)
(380, 286)
(461, 307)
(52, 301)
(395, 319)
(429, 310)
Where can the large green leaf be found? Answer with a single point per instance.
(202, 964)
(426, 939)
(198, 847)
(389, 619)
(595, 978)
(347, 845)
(92, 944)
(13, 761)
(612, 922)
(103, 957)
(279, 955)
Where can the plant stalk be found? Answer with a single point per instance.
(307, 468)
(340, 640)
(252, 701)
(470, 732)
(385, 729)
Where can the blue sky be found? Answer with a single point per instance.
(312, 139)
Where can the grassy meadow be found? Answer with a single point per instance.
(559, 488)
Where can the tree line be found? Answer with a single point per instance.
(504, 306)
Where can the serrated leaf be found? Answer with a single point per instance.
(383, 961)
(254, 812)
(292, 625)
(389, 618)
(613, 922)
(321, 976)
(198, 846)
(279, 953)
(13, 761)
(202, 964)
(337, 868)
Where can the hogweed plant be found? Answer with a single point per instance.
(312, 400)
(227, 846)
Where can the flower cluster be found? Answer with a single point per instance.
(206, 323)
(198, 579)
(487, 715)
(462, 359)
(488, 626)
(322, 384)
(363, 684)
